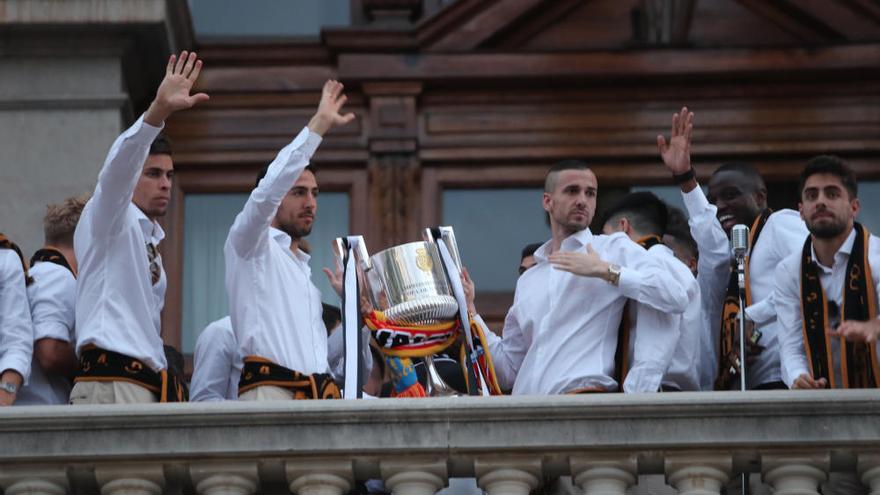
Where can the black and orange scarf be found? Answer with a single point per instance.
(729, 362)
(5, 243)
(858, 361)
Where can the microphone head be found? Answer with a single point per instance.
(739, 240)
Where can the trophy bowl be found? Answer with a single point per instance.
(409, 285)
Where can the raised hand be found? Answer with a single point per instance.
(587, 264)
(174, 91)
(335, 278)
(328, 116)
(676, 153)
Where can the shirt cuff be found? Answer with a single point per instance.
(16, 363)
(794, 374)
(643, 378)
(51, 329)
(312, 142)
(695, 200)
(142, 132)
(761, 312)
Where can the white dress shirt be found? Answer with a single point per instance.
(52, 298)
(16, 331)
(217, 365)
(117, 305)
(788, 302)
(275, 307)
(560, 335)
(664, 347)
(783, 233)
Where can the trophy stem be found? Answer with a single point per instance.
(436, 387)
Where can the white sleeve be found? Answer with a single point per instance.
(508, 351)
(792, 356)
(213, 362)
(16, 330)
(52, 298)
(250, 230)
(655, 336)
(118, 178)
(646, 279)
(336, 353)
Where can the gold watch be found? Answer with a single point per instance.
(613, 274)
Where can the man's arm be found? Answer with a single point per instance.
(250, 229)
(52, 298)
(125, 160)
(508, 352)
(656, 336)
(212, 362)
(16, 331)
(792, 356)
(643, 278)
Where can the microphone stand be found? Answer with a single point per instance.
(741, 317)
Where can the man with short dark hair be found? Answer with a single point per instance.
(561, 332)
(52, 297)
(827, 292)
(121, 283)
(737, 195)
(663, 348)
(275, 308)
(527, 257)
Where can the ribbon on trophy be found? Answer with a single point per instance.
(351, 321)
(479, 371)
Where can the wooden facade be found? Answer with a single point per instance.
(489, 93)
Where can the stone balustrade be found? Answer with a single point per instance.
(510, 445)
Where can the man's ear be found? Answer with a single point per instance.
(545, 202)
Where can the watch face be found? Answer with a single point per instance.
(8, 387)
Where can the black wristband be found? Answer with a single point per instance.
(682, 178)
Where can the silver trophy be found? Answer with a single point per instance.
(409, 285)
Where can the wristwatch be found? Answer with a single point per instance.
(613, 274)
(9, 387)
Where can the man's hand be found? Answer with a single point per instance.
(469, 290)
(676, 154)
(10, 376)
(173, 93)
(858, 331)
(335, 278)
(587, 264)
(328, 116)
(806, 382)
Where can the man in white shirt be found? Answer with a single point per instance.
(216, 364)
(16, 331)
(664, 348)
(824, 292)
(275, 308)
(561, 333)
(737, 195)
(826, 295)
(52, 297)
(121, 282)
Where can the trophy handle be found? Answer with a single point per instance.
(435, 386)
(446, 233)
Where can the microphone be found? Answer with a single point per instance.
(739, 241)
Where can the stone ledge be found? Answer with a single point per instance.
(457, 428)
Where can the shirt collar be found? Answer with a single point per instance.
(152, 230)
(580, 238)
(842, 253)
(284, 240)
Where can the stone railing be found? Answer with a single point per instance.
(509, 444)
